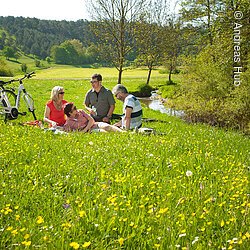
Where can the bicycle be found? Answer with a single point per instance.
(9, 100)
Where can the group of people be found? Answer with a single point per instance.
(100, 105)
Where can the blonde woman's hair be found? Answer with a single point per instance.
(55, 92)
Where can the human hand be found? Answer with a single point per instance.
(106, 119)
(92, 112)
(53, 124)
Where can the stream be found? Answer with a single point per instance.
(154, 102)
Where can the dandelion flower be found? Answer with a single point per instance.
(189, 173)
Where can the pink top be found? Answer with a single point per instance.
(79, 122)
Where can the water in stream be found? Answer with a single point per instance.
(155, 103)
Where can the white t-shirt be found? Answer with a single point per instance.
(136, 115)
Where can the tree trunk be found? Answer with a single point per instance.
(149, 73)
(120, 75)
(169, 76)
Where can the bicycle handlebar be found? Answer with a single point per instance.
(28, 75)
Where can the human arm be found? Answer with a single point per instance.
(118, 124)
(87, 104)
(91, 122)
(109, 115)
(46, 117)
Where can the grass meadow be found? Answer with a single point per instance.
(187, 187)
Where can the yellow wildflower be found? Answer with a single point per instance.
(86, 244)
(121, 241)
(222, 223)
(66, 225)
(26, 236)
(82, 214)
(26, 243)
(14, 232)
(39, 220)
(75, 245)
(163, 210)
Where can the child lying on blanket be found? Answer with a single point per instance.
(78, 120)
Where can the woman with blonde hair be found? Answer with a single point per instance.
(54, 110)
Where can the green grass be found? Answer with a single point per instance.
(15, 65)
(121, 191)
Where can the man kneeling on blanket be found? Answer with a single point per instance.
(78, 120)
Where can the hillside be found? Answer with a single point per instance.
(35, 36)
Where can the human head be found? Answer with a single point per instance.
(56, 92)
(96, 82)
(69, 108)
(98, 77)
(120, 92)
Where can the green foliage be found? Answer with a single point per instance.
(144, 90)
(4, 69)
(169, 91)
(48, 59)
(72, 52)
(37, 63)
(9, 52)
(24, 67)
(209, 95)
(38, 36)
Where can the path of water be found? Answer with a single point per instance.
(155, 103)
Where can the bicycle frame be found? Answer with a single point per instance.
(13, 110)
(27, 98)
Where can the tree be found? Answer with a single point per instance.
(4, 69)
(150, 34)
(202, 13)
(3, 37)
(9, 52)
(115, 29)
(59, 54)
(172, 42)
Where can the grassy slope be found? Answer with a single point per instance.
(121, 190)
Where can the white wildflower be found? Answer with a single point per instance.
(189, 173)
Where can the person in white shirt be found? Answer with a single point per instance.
(132, 110)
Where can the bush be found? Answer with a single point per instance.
(209, 96)
(37, 63)
(144, 90)
(4, 70)
(24, 67)
(171, 82)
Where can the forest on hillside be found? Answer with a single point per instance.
(35, 36)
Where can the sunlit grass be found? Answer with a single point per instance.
(185, 188)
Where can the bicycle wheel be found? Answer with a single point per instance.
(11, 96)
